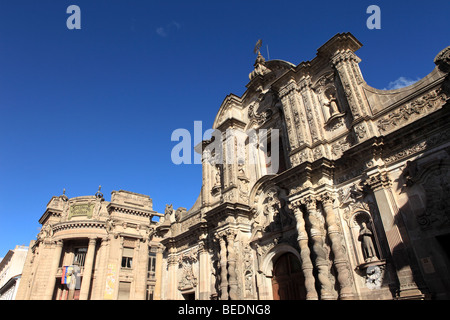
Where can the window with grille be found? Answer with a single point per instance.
(79, 256)
(127, 258)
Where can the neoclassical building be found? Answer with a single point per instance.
(358, 206)
(315, 186)
(107, 248)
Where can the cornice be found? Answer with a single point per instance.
(132, 210)
(79, 224)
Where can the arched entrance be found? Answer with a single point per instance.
(288, 282)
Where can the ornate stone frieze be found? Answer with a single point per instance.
(259, 118)
(410, 111)
(46, 232)
(342, 145)
(430, 142)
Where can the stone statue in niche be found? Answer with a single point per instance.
(217, 176)
(331, 109)
(366, 238)
(215, 191)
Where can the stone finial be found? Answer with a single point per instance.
(98, 194)
(260, 68)
(63, 196)
(442, 60)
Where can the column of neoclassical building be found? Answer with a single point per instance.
(87, 274)
(56, 258)
(172, 266)
(53, 269)
(87, 269)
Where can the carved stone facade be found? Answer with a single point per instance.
(357, 208)
(359, 204)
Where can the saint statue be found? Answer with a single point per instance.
(331, 107)
(365, 236)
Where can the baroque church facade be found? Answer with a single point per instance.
(357, 206)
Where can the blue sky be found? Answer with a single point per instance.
(97, 106)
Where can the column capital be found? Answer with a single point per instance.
(326, 198)
(202, 245)
(310, 202)
(343, 56)
(378, 181)
(295, 206)
(219, 236)
(230, 234)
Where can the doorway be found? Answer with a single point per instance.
(288, 282)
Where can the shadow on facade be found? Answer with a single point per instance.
(423, 221)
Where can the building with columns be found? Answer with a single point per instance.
(356, 207)
(89, 248)
(315, 186)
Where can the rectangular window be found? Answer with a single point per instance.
(151, 265)
(79, 256)
(127, 258)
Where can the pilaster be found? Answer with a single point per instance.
(380, 184)
(53, 269)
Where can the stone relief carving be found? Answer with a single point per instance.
(437, 191)
(426, 103)
(248, 271)
(374, 276)
(259, 118)
(243, 182)
(187, 278)
(360, 131)
(339, 147)
(418, 147)
(275, 213)
(46, 232)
